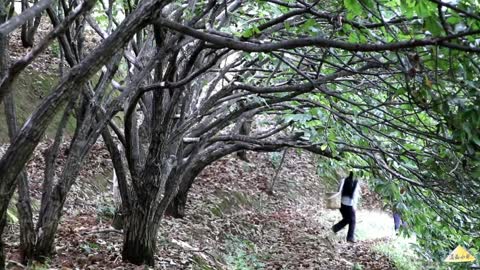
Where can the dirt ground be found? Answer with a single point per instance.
(230, 223)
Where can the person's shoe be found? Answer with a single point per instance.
(353, 241)
(333, 230)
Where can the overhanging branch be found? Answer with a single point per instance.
(28, 14)
(315, 41)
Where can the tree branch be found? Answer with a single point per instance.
(312, 41)
(28, 14)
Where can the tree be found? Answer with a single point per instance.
(30, 27)
(26, 140)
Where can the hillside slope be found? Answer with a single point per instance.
(34, 83)
(231, 222)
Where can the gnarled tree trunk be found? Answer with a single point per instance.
(27, 234)
(47, 226)
(24, 206)
(141, 223)
(29, 28)
(5, 191)
(139, 244)
(176, 208)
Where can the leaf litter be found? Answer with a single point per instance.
(230, 220)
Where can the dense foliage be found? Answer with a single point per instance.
(413, 126)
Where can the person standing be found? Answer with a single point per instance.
(397, 221)
(397, 217)
(350, 192)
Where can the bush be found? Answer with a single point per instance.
(402, 253)
(242, 255)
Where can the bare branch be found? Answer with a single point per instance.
(316, 41)
(28, 14)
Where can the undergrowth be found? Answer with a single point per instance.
(242, 254)
(401, 252)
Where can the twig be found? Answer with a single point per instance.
(103, 231)
(270, 189)
(16, 264)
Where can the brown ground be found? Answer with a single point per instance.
(231, 222)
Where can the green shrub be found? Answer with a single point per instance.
(357, 266)
(402, 253)
(242, 254)
(105, 210)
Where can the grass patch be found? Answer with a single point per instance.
(374, 225)
(29, 89)
(242, 254)
(238, 254)
(402, 254)
(370, 224)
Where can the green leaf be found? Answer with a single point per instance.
(453, 19)
(433, 25)
(476, 140)
(352, 38)
(424, 8)
(407, 9)
(309, 23)
(250, 32)
(353, 7)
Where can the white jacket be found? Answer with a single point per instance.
(356, 195)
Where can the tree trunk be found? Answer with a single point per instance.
(277, 171)
(121, 192)
(176, 208)
(26, 42)
(245, 128)
(29, 28)
(3, 223)
(139, 244)
(27, 233)
(51, 212)
(5, 191)
(47, 226)
(20, 151)
(24, 206)
(141, 223)
(51, 155)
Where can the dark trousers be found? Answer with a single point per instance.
(397, 220)
(348, 215)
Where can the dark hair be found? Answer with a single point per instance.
(349, 186)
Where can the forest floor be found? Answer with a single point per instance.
(230, 223)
